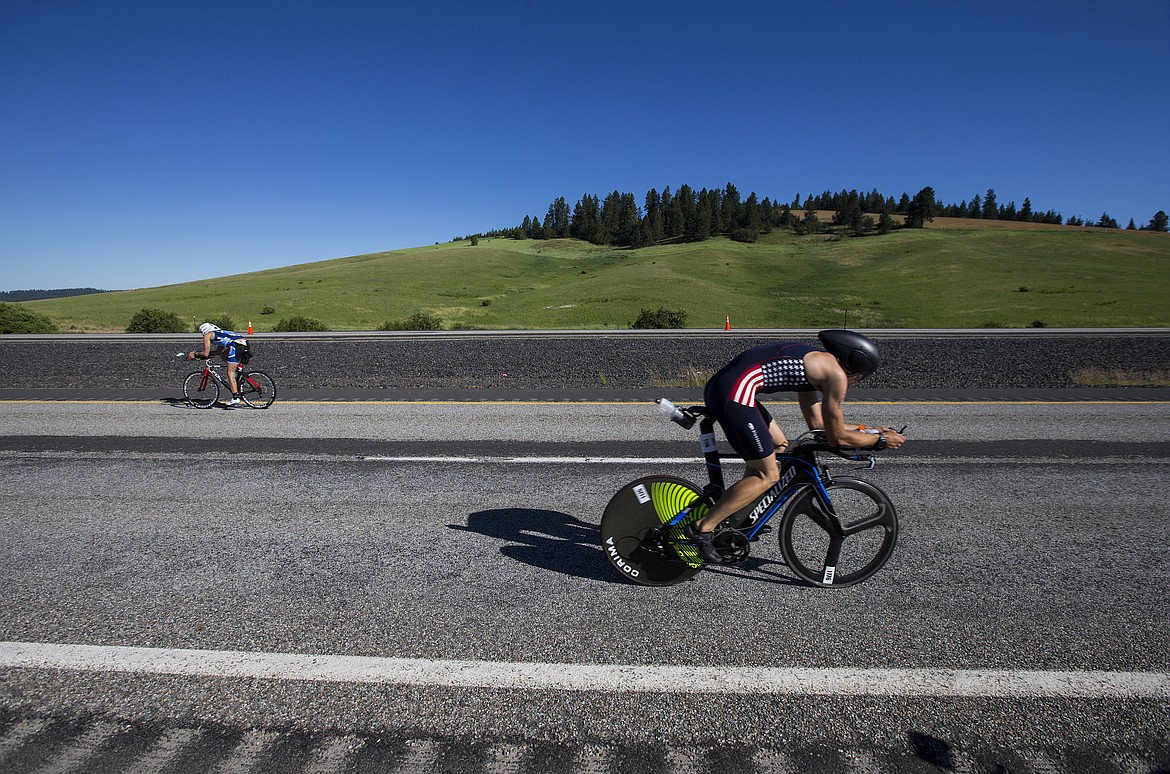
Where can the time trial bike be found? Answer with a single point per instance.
(201, 388)
(834, 531)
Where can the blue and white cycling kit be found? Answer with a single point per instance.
(231, 342)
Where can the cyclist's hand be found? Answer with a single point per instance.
(894, 439)
(190, 355)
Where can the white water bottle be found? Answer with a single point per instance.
(672, 411)
(675, 414)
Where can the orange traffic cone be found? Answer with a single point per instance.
(249, 327)
(727, 323)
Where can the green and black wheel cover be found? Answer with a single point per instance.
(639, 507)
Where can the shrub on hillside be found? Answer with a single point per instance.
(300, 323)
(661, 318)
(18, 319)
(225, 322)
(419, 321)
(153, 320)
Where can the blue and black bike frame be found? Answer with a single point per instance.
(797, 471)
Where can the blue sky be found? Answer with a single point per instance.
(144, 143)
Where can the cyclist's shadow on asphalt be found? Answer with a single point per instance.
(550, 540)
(558, 542)
(183, 403)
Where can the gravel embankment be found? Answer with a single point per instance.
(588, 361)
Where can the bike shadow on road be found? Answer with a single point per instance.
(183, 403)
(556, 541)
(761, 570)
(550, 540)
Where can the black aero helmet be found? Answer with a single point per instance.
(856, 353)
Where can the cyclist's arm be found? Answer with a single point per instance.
(810, 406)
(829, 413)
(206, 347)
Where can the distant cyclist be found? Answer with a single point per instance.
(820, 377)
(230, 346)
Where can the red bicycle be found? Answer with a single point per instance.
(201, 388)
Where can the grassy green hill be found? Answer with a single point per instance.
(949, 275)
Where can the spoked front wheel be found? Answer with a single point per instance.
(851, 549)
(201, 390)
(256, 388)
(635, 540)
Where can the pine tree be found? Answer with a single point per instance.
(753, 214)
(586, 222)
(1160, 222)
(558, 225)
(1025, 212)
(702, 224)
(731, 210)
(1106, 222)
(921, 209)
(811, 223)
(976, 208)
(767, 215)
(652, 220)
(990, 208)
(710, 215)
(685, 199)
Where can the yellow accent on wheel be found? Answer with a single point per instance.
(668, 499)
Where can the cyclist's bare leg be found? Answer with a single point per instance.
(759, 477)
(231, 369)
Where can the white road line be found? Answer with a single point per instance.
(978, 683)
(552, 460)
(883, 462)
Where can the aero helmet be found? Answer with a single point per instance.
(856, 353)
(205, 328)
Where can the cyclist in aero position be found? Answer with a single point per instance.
(731, 398)
(231, 346)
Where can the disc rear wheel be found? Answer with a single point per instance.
(634, 536)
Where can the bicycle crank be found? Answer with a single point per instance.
(733, 546)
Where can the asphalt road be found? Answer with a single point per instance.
(462, 538)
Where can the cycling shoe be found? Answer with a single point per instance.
(705, 543)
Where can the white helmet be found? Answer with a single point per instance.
(206, 328)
